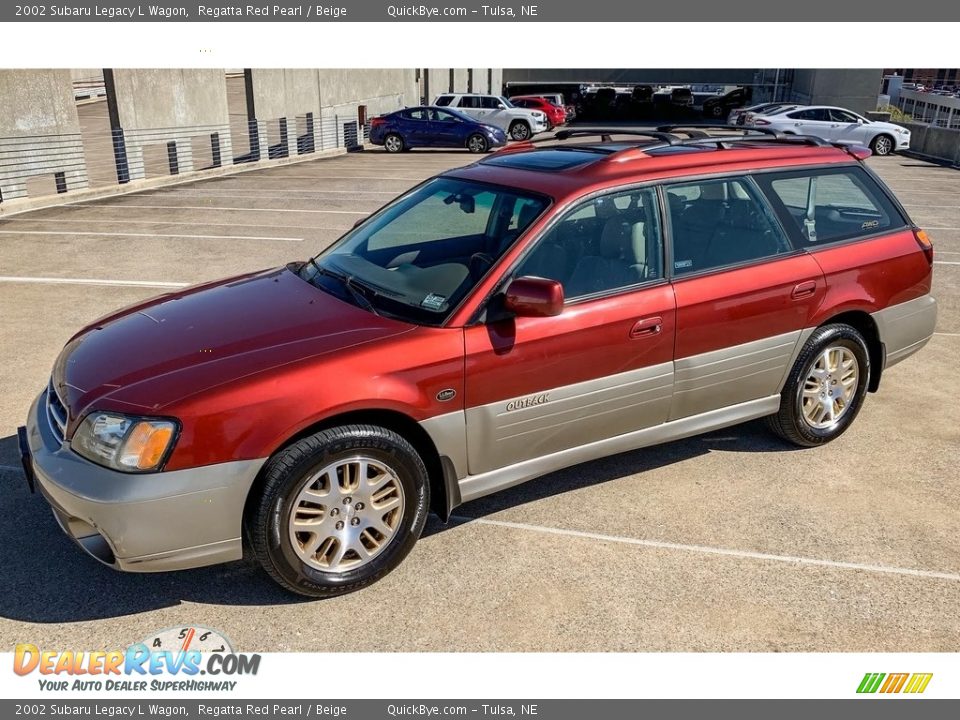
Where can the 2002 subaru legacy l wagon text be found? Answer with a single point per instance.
(540, 308)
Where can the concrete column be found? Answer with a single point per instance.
(39, 130)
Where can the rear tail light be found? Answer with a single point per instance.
(760, 121)
(925, 243)
(377, 121)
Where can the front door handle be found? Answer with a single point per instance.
(804, 290)
(647, 327)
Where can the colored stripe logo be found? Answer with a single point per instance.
(913, 683)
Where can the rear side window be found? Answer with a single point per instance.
(818, 114)
(469, 101)
(417, 114)
(444, 100)
(716, 223)
(824, 206)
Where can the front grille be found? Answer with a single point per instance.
(56, 413)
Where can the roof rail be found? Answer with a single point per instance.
(696, 127)
(607, 133)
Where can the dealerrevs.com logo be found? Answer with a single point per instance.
(173, 660)
(910, 683)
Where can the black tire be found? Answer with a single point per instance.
(789, 422)
(393, 143)
(716, 111)
(519, 130)
(477, 143)
(284, 477)
(882, 145)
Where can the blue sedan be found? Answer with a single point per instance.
(433, 127)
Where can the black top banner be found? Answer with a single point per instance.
(469, 11)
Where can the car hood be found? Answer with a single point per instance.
(881, 125)
(151, 355)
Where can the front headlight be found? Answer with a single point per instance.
(127, 444)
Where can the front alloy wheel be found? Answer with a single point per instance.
(477, 143)
(338, 510)
(519, 130)
(346, 514)
(882, 145)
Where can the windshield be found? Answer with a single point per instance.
(418, 257)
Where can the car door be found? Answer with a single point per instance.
(415, 127)
(603, 367)
(810, 121)
(744, 295)
(447, 129)
(470, 105)
(847, 127)
(494, 111)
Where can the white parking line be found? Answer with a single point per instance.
(100, 221)
(333, 177)
(945, 262)
(231, 192)
(947, 334)
(707, 550)
(230, 209)
(91, 281)
(148, 235)
(11, 468)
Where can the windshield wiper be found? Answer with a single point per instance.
(350, 284)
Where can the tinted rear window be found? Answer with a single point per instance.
(829, 205)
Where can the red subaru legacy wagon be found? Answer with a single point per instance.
(546, 306)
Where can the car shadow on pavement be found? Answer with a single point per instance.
(50, 580)
(751, 437)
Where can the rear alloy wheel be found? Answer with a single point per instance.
(716, 111)
(826, 387)
(882, 145)
(339, 510)
(477, 143)
(393, 143)
(519, 130)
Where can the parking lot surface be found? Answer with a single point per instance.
(728, 541)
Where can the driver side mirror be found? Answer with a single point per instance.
(533, 297)
(859, 121)
(501, 106)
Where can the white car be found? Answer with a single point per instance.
(519, 123)
(836, 125)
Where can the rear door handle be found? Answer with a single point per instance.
(804, 290)
(647, 327)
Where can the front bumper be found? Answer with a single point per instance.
(140, 523)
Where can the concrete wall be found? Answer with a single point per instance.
(460, 80)
(480, 80)
(496, 81)
(171, 106)
(853, 89)
(934, 142)
(39, 130)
